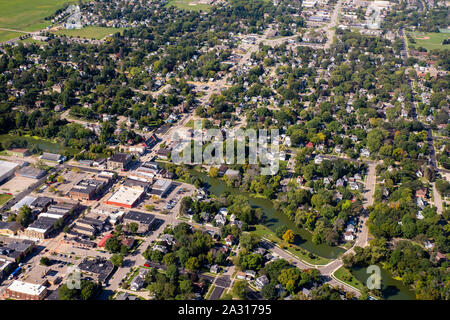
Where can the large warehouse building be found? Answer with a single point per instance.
(126, 197)
(7, 169)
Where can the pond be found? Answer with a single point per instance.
(41, 143)
(273, 218)
(391, 288)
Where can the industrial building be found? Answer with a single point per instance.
(31, 172)
(7, 169)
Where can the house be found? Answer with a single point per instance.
(229, 240)
(163, 153)
(260, 282)
(354, 186)
(318, 160)
(348, 236)
(220, 219)
(421, 193)
(250, 274)
(137, 283)
(241, 275)
(214, 269)
(428, 245)
(365, 152)
(168, 238)
(160, 248)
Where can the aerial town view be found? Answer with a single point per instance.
(225, 150)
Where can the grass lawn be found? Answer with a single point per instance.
(186, 5)
(429, 40)
(90, 32)
(8, 35)
(4, 198)
(28, 15)
(343, 273)
(298, 252)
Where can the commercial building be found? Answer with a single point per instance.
(126, 197)
(26, 201)
(144, 220)
(86, 189)
(14, 250)
(90, 225)
(25, 291)
(9, 228)
(140, 184)
(5, 267)
(99, 269)
(119, 161)
(53, 157)
(161, 187)
(31, 172)
(7, 169)
(18, 152)
(44, 225)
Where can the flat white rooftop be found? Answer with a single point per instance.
(27, 288)
(126, 195)
(26, 201)
(7, 167)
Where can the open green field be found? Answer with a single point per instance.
(189, 5)
(28, 15)
(8, 35)
(89, 32)
(4, 198)
(429, 40)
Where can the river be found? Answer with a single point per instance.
(273, 218)
(391, 288)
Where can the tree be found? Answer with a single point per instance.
(240, 289)
(248, 241)
(185, 286)
(133, 227)
(113, 245)
(269, 291)
(289, 236)
(24, 216)
(213, 172)
(45, 261)
(192, 264)
(117, 260)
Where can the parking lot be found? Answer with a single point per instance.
(17, 184)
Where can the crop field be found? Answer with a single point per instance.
(89, 32)
(429, 40)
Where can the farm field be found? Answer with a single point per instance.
(89, 32)
(429, 40)
(193, 5)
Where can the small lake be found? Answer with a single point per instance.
(391, 288)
